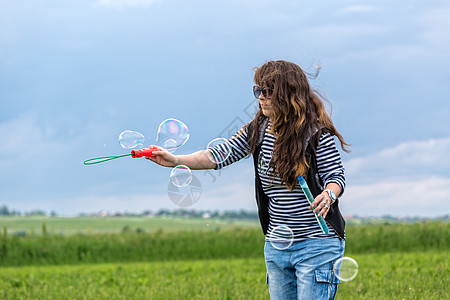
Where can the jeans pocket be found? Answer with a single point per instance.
(323, 276)
(326, 276)
(325, 283)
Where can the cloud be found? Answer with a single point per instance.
(120, 203)
(344, 31)
(119, 4)
(427, 197)
(17, 133)
(436, 25)
(409, 179)
(410, 159)
(29, 134)
(357, 9)
(338, 35)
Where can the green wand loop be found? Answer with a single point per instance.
(309, 196)
(98, 160)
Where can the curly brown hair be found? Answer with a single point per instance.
(297, 111)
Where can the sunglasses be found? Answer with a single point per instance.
(266, 92)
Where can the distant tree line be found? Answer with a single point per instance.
(229, 214)
(241, 214)
(5, 211)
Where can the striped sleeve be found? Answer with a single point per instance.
(237, 148)
(329, 162)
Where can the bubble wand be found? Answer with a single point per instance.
(134, 153)
(309, 196)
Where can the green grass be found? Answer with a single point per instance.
(89, 225)
(416, 275)
(232, 242)
(396, 261)
(399, 275)
(398, 237)
(130, 247)
(207, 279)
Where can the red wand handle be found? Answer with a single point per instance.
(144, 152)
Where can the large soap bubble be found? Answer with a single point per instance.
(172, 134)
(222, 150)
(281, 237)
(129, 139)
(346, 268)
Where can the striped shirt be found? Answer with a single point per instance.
(287, 208)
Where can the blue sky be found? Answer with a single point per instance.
(75, 74)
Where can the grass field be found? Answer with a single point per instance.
(88, 225)
(381, 276)
(395, 262)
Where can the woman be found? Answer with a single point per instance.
(290, 136)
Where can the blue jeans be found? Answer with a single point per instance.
(304, 270)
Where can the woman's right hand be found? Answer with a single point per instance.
(163, 158)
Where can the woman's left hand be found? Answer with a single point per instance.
(321, 204)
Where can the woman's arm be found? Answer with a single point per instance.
(200, 160)
(331, 171)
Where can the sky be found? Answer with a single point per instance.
(75, 74)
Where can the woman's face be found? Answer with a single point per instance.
(264, 95)
(266, 106)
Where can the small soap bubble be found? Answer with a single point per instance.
(346, 268)
(181, 176)
(281, 237)
(130, 139)
(170, 144)
(172, 134)
(221, 150)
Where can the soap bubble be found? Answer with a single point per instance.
(222, 149)
(281, 237)
(181, 176)
(130, 139)
(170, 144)
(346, 268)
(172, 134)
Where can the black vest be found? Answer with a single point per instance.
(315, 183)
